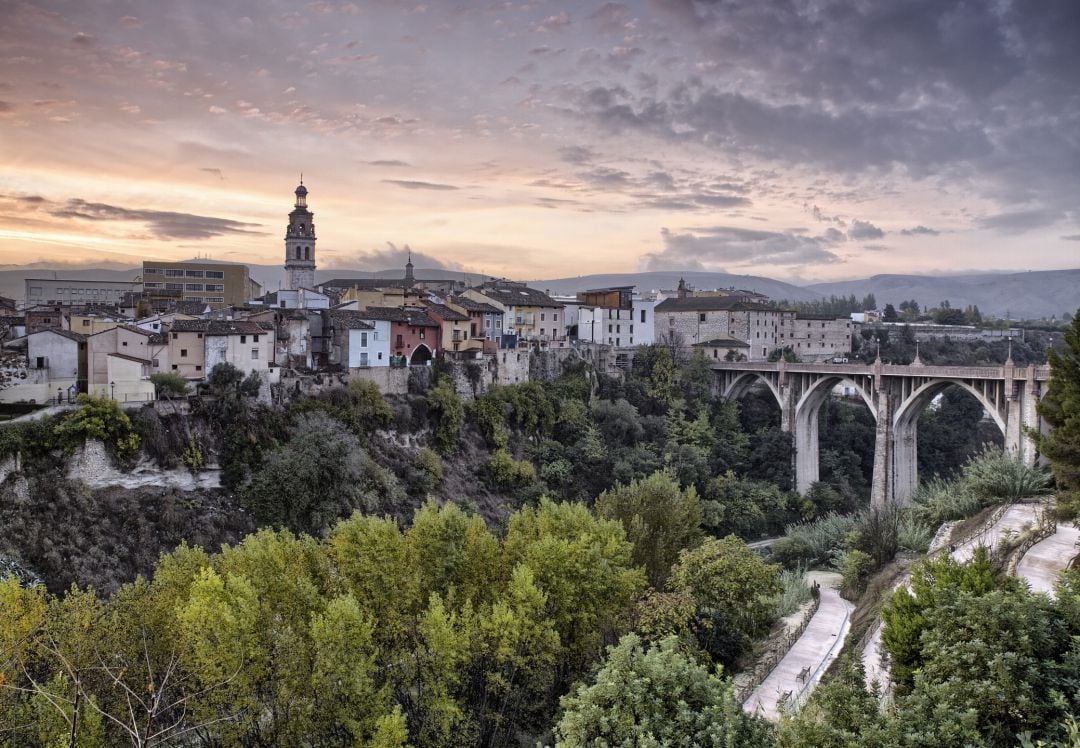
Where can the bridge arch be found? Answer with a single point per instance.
(905, 429)
(807, 427)
(908, 411)
(738, 386)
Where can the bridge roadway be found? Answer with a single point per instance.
(895, 396)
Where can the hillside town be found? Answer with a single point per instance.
(106, 338)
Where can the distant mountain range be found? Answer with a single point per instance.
(1030, 295)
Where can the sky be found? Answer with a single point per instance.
(805, 140)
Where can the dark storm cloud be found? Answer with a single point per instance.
(719, 246)
(947, 88)
(162, 224)
(920, 231)
(576, 154)
(410, 184)
(1018, 221)
(391, 258)
(796, 133)
(864, 230)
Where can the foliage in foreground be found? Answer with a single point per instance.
(1061, 409)
(655, 696)
(990, 477)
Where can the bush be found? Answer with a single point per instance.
(913, 534)
(876, 534)
(793, 591)
(429, 470)
(938, 501)
(856, 567)
(995, 474)
(507, 473)
(813, 542)
(102, 419)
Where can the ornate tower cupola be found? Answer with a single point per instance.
(300, 244)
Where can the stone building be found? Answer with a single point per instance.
(688, 320)
(814, 337)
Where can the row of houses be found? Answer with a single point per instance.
(352, 324)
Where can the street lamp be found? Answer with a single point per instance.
(112, 390)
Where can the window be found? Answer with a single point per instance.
(541, 316)
(555, 317)
(174, 286)
(86, 323)
(631, 329)
(40, 362)
(216, 299)
(124, 344)
(254, 354)
(175, 336)
(243, 338)
(215, 273)
(155, 363)
(193, 286)
(363, 340)
(193, 273)
(380, 355)
(151, 285)
(198, 368)
(183, 353)
(642, 315)
(421, 334)
(609, 328)
(152, 271)
(400, 342)
(199, 336)
(174, 367)
(701, 317)
(174, 272)
(215, 287)
(498, 324)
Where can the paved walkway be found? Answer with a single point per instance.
(816, 648)
(1043, 562)
(1013, 520)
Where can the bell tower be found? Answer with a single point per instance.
(300, 244)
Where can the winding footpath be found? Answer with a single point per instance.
(1043, 562)
(1051, 556)
(810, 656)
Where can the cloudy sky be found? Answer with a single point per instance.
(801, 139)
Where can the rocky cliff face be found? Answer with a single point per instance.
(88, 523)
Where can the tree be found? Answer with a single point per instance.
(168, 384)
(102, 419)
(655, 696)
(312, 480)
(660, 520)
(445, 403)
(1061, 409)
(732, 587)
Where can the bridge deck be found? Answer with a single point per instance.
(1041, 373)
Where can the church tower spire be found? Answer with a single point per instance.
(300, 243)
(410, 281)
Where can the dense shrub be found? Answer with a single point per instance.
(445, 404)
(995, 474)
(813, 542)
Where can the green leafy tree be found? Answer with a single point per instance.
(655, 696)
(659, 518)
(167, 384)
(449, 412)
(732, 587)
(1060, 408)
(312, 480)
(905, 613)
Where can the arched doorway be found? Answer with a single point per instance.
(421, 355)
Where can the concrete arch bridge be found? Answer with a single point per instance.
(895, 395)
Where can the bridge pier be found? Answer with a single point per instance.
(881, 487)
